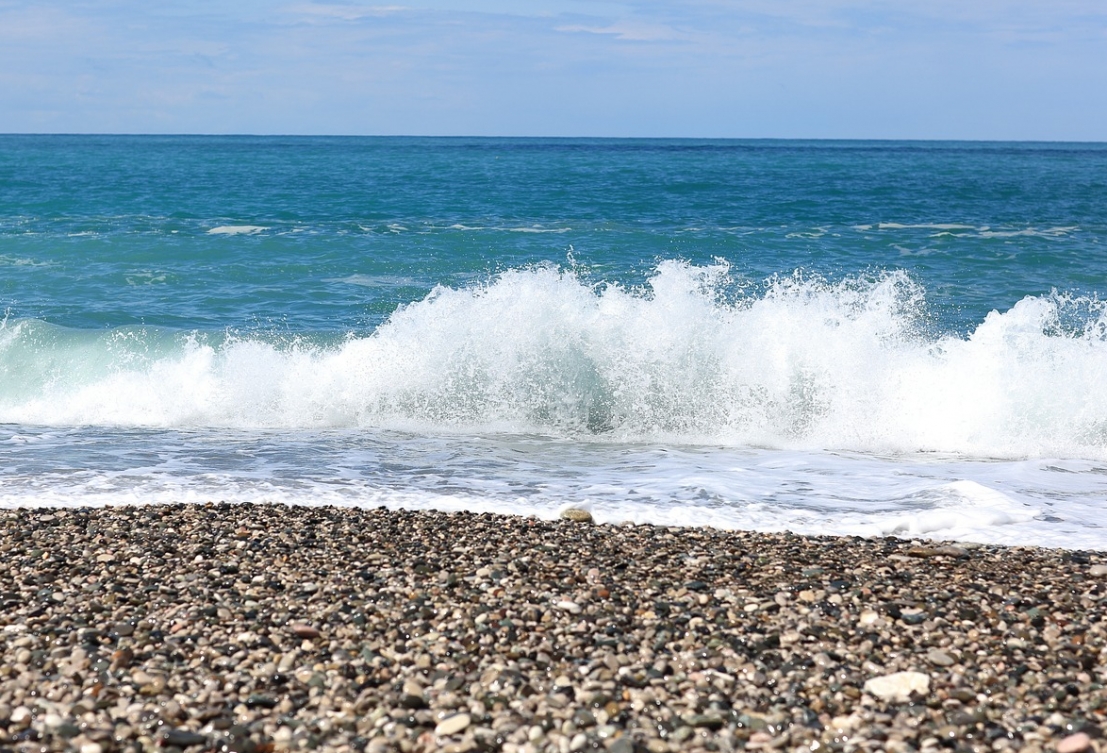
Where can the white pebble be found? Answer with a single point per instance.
(452, 725)
(899, 686)
(867, 617)
(21, 717)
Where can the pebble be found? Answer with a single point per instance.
(20, 717)
(576, 515)
(121, 659)
(300, 630)
(451, 725)
(621, 745)
(123, 629)
(1077, 743)
(182, 738)
(898, 687)
(940, 658)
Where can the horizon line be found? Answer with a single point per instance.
(545, 137)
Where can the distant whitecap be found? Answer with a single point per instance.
(237, 230)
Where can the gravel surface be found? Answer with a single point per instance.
(261, 628)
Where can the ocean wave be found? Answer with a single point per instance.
(693, 357)
(922, 226)
(378, 281)
(20, 261)
(957, 229)
(1049, 232)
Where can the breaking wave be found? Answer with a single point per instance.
(693, 356)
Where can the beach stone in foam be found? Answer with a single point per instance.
(576, 515)
(898, 687)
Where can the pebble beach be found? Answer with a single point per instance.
(258, 628)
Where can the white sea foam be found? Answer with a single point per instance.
(1046, 503)
(804, 364)
(17, 261)
(977, 231)
(922, 226)
(237, 230)
(1049, 232)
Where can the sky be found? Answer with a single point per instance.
(924, 69)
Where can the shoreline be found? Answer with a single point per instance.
(257, 628)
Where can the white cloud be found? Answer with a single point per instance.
(628, 30)
(342, 12)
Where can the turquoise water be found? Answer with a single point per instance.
(863, 337)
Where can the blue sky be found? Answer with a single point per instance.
(972, 69)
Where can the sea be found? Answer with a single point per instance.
(864, 338)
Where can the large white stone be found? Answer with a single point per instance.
(452, 725)
(898, 687)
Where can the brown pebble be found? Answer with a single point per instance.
(121, 659)
(304, 631)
